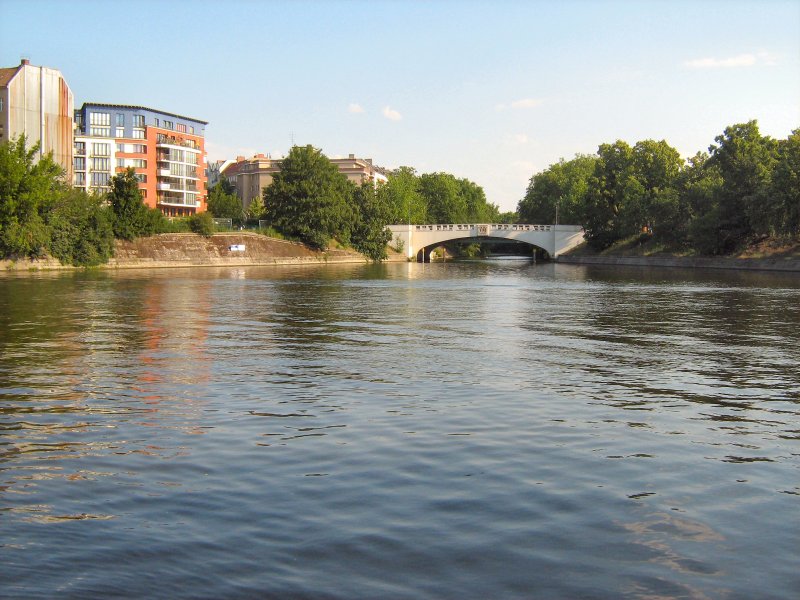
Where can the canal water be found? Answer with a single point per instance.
(493, 429)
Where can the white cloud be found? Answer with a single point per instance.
(355, 108)
(526, 103)
(732, 62)
(517, 139)
(523, 103)
(391, 114)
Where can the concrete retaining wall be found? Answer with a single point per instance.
(745, 264)
(191, 250)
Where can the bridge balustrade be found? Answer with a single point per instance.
(494, 226)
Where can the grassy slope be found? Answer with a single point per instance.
(646, 246)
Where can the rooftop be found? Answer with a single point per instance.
(136, 107)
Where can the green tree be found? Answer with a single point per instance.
(132, 218)
(223, 204)
(612, 195)
(81, 229)
(256, 208)
(562, 185)
(782, 195)
(656, 166)
(478, 209)
(369, 233)
(309, 199)
(28, 190)
(508, 217)
(442, 194)
(401, 195)
(745, 160)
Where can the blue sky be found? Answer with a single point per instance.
(491, 91)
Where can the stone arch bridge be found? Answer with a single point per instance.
(419, 240)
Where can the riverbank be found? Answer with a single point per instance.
(192, 250)
(768, 254)
(686, 262)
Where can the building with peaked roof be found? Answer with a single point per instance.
(166, 151)
(36, 102)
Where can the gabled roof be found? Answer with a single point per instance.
(6, 75)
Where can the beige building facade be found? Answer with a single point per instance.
(251, 175)
(37, 102)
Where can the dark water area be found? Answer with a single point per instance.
(492, 429)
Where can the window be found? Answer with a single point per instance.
(141, 177)
(100, 131)
(120, 163)
(99, 149)
(191, 129)
(180, 127)
(80, 147)
(138, 120)
(120, 147)
(120, 120)
(100, 164)
(97, 118)
(120, 132)
(79, 120)
(191, 158)
(80, 163)
(157, 122)
(138, 134)
(167, 124)
(80, 179)
(1, 104)
(99, 179)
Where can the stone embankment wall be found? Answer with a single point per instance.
(191, 250)
(745, 264)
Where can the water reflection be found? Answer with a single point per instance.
(604, 432)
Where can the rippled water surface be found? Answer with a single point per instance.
(473, 430)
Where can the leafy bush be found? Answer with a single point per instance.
(202, 223)
(81, 230)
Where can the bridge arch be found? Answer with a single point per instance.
(555, 239)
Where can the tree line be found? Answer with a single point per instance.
(745, 187)
(42, 214)
(310, 200)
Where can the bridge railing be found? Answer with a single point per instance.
(491, 226)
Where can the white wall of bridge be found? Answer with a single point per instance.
(556, 239)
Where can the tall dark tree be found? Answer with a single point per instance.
(132, 218)
(613, 197)
(782, 195)
(745, 160)
(369, 233)
(309, 199)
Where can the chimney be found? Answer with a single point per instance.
(25, 62)
(351, 156)
(239, 158)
